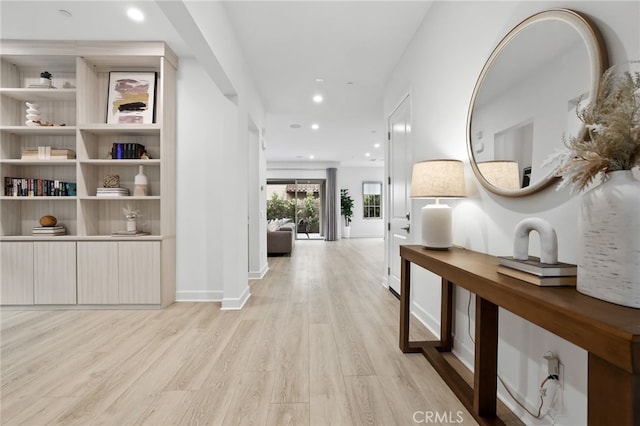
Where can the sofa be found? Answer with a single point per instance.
(280, 241)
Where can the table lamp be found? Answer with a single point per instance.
(437, 179)
(503, 174)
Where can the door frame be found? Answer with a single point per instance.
(405, 96)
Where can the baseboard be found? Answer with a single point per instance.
(385, 281)
(235, 304)
(432, 324)
(253, 275)
(199, 296)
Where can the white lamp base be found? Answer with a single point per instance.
(437, 227)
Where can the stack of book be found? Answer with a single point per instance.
(49, 230)
(62, 154)
(47, 153)
(40, 86)
(535, 272)
(127, 151)
(130, 233)
(112, 192)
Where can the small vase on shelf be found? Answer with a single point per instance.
(141, 184)
(131, 224)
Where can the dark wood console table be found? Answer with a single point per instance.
(610, 333)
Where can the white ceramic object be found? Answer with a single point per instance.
(437, 226)
(548, 240)
(609, 240)
(131, 225)
(141, 183)
(33, 114)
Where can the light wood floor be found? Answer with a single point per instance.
(317, 344)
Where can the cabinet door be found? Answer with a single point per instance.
(97, 272)
(54, 272)
(139, 272)
(16, 273)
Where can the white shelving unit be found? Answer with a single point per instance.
(79, 101)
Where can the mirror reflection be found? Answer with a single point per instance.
(526, 97)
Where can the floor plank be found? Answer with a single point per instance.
(316, 344)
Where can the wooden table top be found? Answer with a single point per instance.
(608, 330)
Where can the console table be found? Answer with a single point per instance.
(610, 333)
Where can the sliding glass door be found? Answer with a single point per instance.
(298, 201)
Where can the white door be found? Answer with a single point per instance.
(399, 203)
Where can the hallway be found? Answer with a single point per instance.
(316, 344)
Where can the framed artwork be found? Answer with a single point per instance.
(131, 98)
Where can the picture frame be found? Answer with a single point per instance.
(131, 97)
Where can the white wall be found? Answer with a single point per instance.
(352, 179)
(440, 69)
(212, 145)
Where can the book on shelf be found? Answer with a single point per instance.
(23, 187)
(112, 192)
(130, 233)
(62, 154)
(40, 86)
(535, 267)
(47, 153)
(127, 151)
(49, 230)
(553, 281)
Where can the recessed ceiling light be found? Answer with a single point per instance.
(315, 126)
(65, 13)
(376, 145)
(319, 80)
(317, 99)
(295, 126)
(135, 14)
(311, 157)
(367, 154)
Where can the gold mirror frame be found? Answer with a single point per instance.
(596, 50)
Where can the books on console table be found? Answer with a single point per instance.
(535, 267)
(538, 280)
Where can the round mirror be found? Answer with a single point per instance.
(524, 102)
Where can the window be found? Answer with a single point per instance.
(372, 200)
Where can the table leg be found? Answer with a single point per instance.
(405, 300)
(609, 387)
(486, 358)
(446, 317)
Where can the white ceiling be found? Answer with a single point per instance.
(287, 45)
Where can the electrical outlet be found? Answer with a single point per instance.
(553, 365)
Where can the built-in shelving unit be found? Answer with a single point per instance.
(77, 106)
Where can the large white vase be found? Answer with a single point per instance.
(609, 240)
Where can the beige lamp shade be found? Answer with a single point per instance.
(438, 178)
(502, 174)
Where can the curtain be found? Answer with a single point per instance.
(331, 230)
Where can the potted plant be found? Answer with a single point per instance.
(346, 210)
(45, 78)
